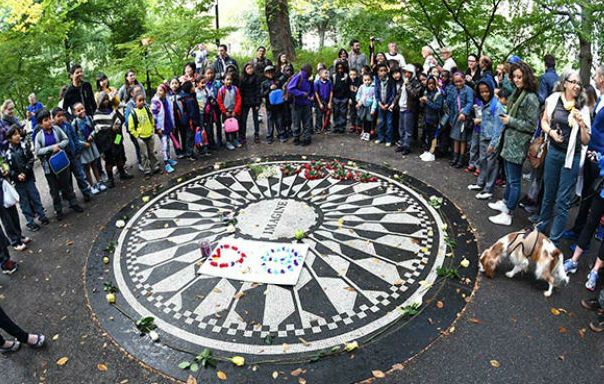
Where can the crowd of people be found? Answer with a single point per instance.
(486, 122)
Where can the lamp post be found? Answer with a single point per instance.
(217, 24)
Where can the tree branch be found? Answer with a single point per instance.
(488, 27)
(458, 22)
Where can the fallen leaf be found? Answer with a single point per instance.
(62, 361)
(495, 363)
(399, 282)
(378, 374)
(275, 375)
(216, 290)
(555, 311)
(562, 329)
(474, 320)
(55, 337)
(561, 357)
(238, 296)
(69, 242)
(301, 380)
(296, 372)
(582, 332)
(351, 289)
(221, 375)
(285, 347)
(191, 380)
(306, 343)
(101, 367)
(439, 304)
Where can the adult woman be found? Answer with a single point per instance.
(460, 99)
(342, 58)
(35, 341)
(281, 62)
(567, 122)
(520, 125)
(129, 81)
(188, 73)
(102, 85)
(473, 71)
(8, 114)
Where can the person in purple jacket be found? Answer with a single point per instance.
(324, 98)
(301, 89)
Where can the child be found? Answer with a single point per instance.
(355, 83)
(460, 99)
(34, 107)
(366, 105)
(397, 77)
(213, 111)
(323, 88)
(202, 94)
(73, 151)
(250, 100)
(191, 119)
(299, 88)
(433, 105)
(474, 140)
(142, 126)
(275, 112)
(20, 161)
(385, 92)
(288, 73)
(132, 92)
(178, 131)
(50, 140)
(89, 154)
(490, 130)
(108, 123)
(229, 101)
(164, 124)
(341, 93)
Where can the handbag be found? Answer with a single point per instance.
(11, 197)
(231, 125)
(58, 162)
(537, 152)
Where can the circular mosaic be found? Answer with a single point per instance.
(374, 247)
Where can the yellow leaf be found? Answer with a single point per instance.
(101, 367)
(351, 346)
(62, 361)
(55, 337)
(555, 311)
(306, 343)
(562, 329)
(238, 360)
(275, 375)
(221, 375)
(191, 380)
(495, 363)
(146, 199)
(439, 304)
(301, 380)
(296, 372)
(285, 347)
(238, 295)
(378, 374)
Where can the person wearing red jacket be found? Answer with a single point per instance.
(229, 101)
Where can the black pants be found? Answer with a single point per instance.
(11, 328)
(274, 116)
(245, 111)
(340, 112)
(181, 135)
(61, 184)
(10, 222)
(590, 173)
(593, 220)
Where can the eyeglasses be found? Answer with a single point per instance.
(574, 82)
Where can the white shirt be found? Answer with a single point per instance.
(402, 101)
(428, 63)
(398, 57)
(449, 64)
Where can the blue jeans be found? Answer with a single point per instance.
(560, 185)
(274, 118)
(513, 173)
(385, 118)
(29, 201)
(406, 124)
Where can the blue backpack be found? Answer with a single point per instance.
(276, 97)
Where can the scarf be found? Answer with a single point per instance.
(515, 102)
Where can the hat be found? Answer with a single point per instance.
(409, 68)
(513, 59)
(269, 68)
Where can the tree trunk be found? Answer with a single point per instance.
(321, 33)
(67, 56)
(279, 29)
(585, 55)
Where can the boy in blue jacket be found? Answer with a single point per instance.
(385, 92)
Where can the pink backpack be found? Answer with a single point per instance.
(231, 125)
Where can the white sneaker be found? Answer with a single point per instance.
(388, 145)
(378, 141)
(140, 168)
(503, 218)
(94, 190)
(101, 187)
(474, 187)
(484, 195)
(499, 205)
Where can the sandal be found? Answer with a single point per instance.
(13, 348)
(39, 343)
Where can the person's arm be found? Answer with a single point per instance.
(542, 91)
(292, 87)
(584, 121)
(221, 103)
(435, 104)
(63, 139)
(468, 102)
(237, 110)
(497, 126)
(131, 127)
(414, 88)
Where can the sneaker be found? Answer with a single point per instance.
(110, 183)
(296, 141)
(388, 145)
(405, 151)
(127, 176)
(531, 208)
(94, 191)
(270, 140)
(45, 221)
(25, 240)
(230, 146)
(592, 305)
(10, 267)
(470, 168)
(378, 141)
(570, 266)
(14, 347)
(33, 227)
(140, 168)
(592, 280)
(598, 325)
(570, 235)
(475, 187)
(77, 208)
(236, 143)
(101, 187)
(39, 342)
(180, 156)
(398, 149)
(257, 140)
(20, 247)
(169, 168)
(283, 139)
(172, 162)
(499, 205)
(484, 195)
(503, 218)
(534, 219)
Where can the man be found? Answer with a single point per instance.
(450, 65)
(428, 58)
(200, 54)
(394, 55)
(486, 67)
(79, 91)
(301, 89)
(356, 60)
(260, 61)
(549, 78)
(222, 61)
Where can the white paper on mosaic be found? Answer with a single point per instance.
(256, 261)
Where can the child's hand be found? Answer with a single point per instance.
(86, 145)
(358, 106)
(273, 86)
(329, 106)
(321, 106)
(391, 108)
(56, 148)
(372, 113)
(90, 138)
(423, 99)
(477, 121)
(490, 149)
(461, 117)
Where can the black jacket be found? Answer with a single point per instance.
(341, 86)
(265, 88)
(190, 118)
(250, 91)
(20, 159)
(82, 94)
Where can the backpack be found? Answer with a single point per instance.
(135, 118)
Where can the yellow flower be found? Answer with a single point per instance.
(110, 298)
(465, 263)
(238, 360)
(351, 346)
